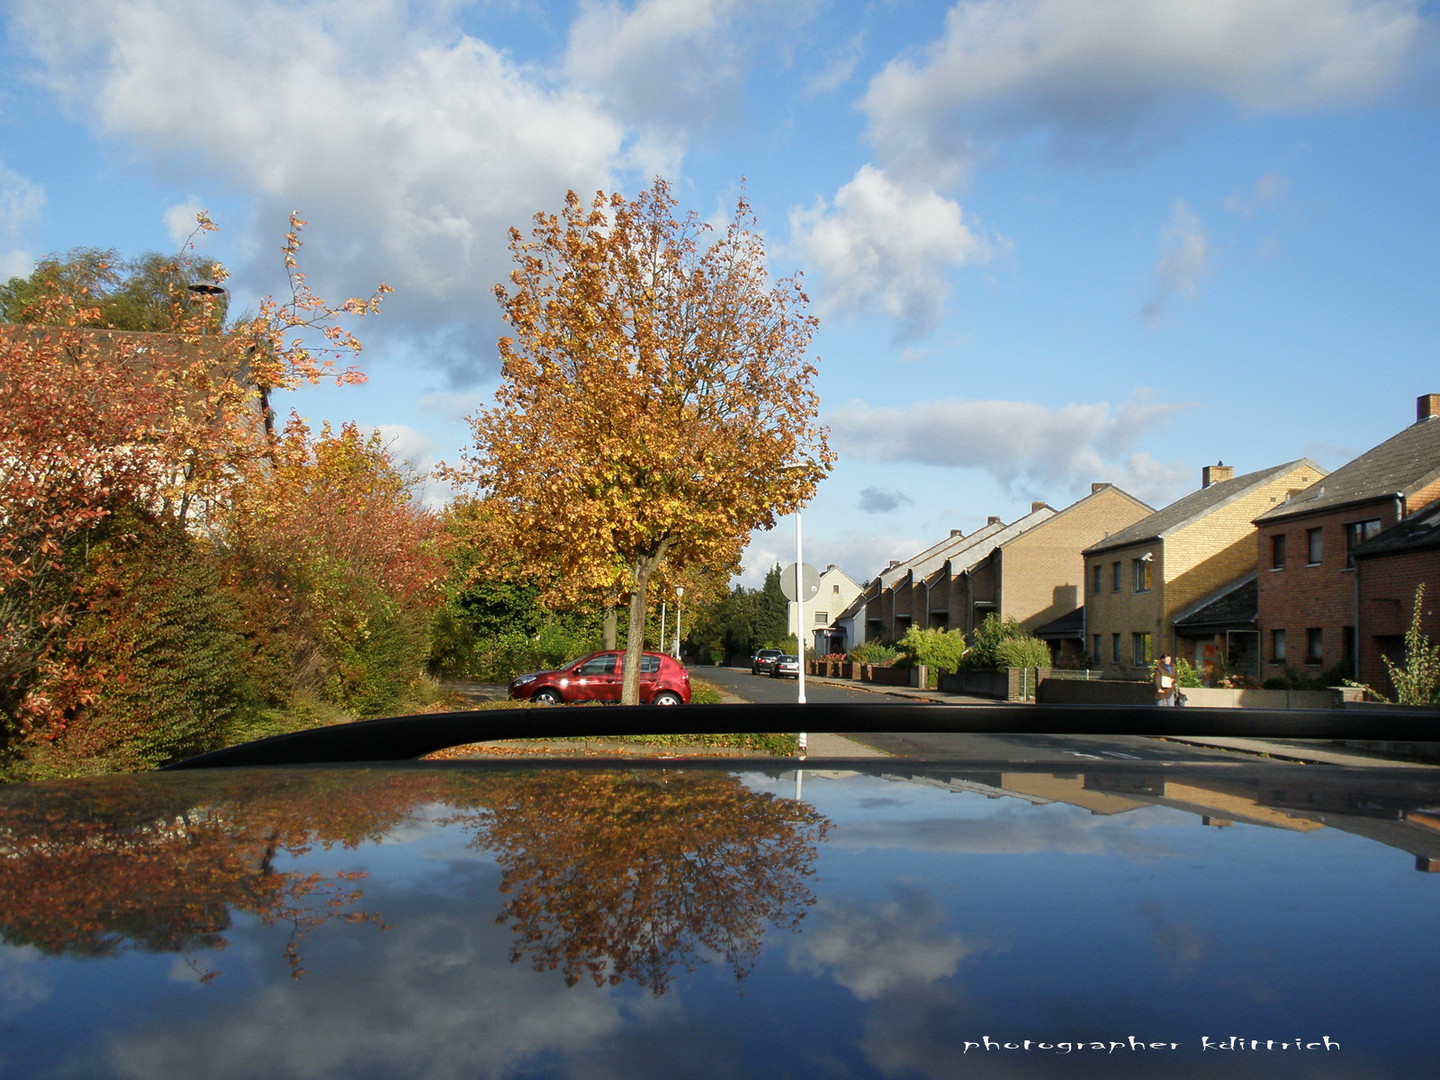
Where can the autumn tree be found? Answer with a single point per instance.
(124, 390)
(656, 402)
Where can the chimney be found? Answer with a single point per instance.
(1427, 407)
(992, 520)
(1216, 474)
(956, 532)
(1034, 506)
(1098, 487)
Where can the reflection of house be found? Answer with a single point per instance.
(1395, 811)
(1030, 570)
(837, 592)
(1311, 611)
(1138, 580)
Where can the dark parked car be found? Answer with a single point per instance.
(598, 677)
(322, 905)
(763, 661)
(786, 666)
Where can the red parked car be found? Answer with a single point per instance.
(598, 677)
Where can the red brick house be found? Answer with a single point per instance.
(1389, 571)
(1309, 608)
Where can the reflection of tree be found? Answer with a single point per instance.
(630, 875)
(614, 875)
(98, 868)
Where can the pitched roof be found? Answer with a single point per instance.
(1401, 465)
(972, 555)
(936, 554)
(1198, 504)
(1419, 532)
(1234, 605)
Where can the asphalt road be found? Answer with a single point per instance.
(761, 689)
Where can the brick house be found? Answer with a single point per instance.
(1038, 576)
(1389, 570)
(1139, 579)
(887, 605)
(1310, 613)
(1030, 569)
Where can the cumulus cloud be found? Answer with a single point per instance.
(875, 500)
(885, 247)
(1184, 257)
(21, 201)
(1268, 190)
(1018, 442)
(181, 221)
(676, 64)
(1092, 72)
(411, 147)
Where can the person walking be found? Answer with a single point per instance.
(1165, 680)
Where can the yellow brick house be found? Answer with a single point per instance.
(1138, 580)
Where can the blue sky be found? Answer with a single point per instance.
(1050, 242)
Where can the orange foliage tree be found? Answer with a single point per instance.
(168, 419)
(340, 564)
(656, 401)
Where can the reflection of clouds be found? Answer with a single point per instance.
(874, 948)
(1181, 948)
(22, 981)
(436, 988)
(1026, 831)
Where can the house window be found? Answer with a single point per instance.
(1277, 646)
(1356, 533)
(1115, 577)
(1140, 649)
(1314, 546)
(1142, 575)
(1115, 647)
(1347, 641)
(835, 589)
(822, 618)
(1099, 657)
(1097, 578)
(1314, 645)
(1277, 552)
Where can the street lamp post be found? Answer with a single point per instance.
(679, 606)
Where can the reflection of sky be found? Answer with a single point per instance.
(939, 918)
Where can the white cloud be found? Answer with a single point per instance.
(885, 247)
(1268, 190)
(1018, 442)
(21, 201)
(675, 64)
(1184, 256)
(1089, 72)
(409, 146)
(180, 221)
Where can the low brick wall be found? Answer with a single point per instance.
(889, 676)
(987, 684)
(1116, 692)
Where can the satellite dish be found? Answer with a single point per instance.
(809, 582)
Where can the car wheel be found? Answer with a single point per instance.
(666, 697)
(547, 697)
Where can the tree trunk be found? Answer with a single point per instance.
(610, 628)
(640, 574)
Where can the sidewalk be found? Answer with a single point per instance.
(1316, 752)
